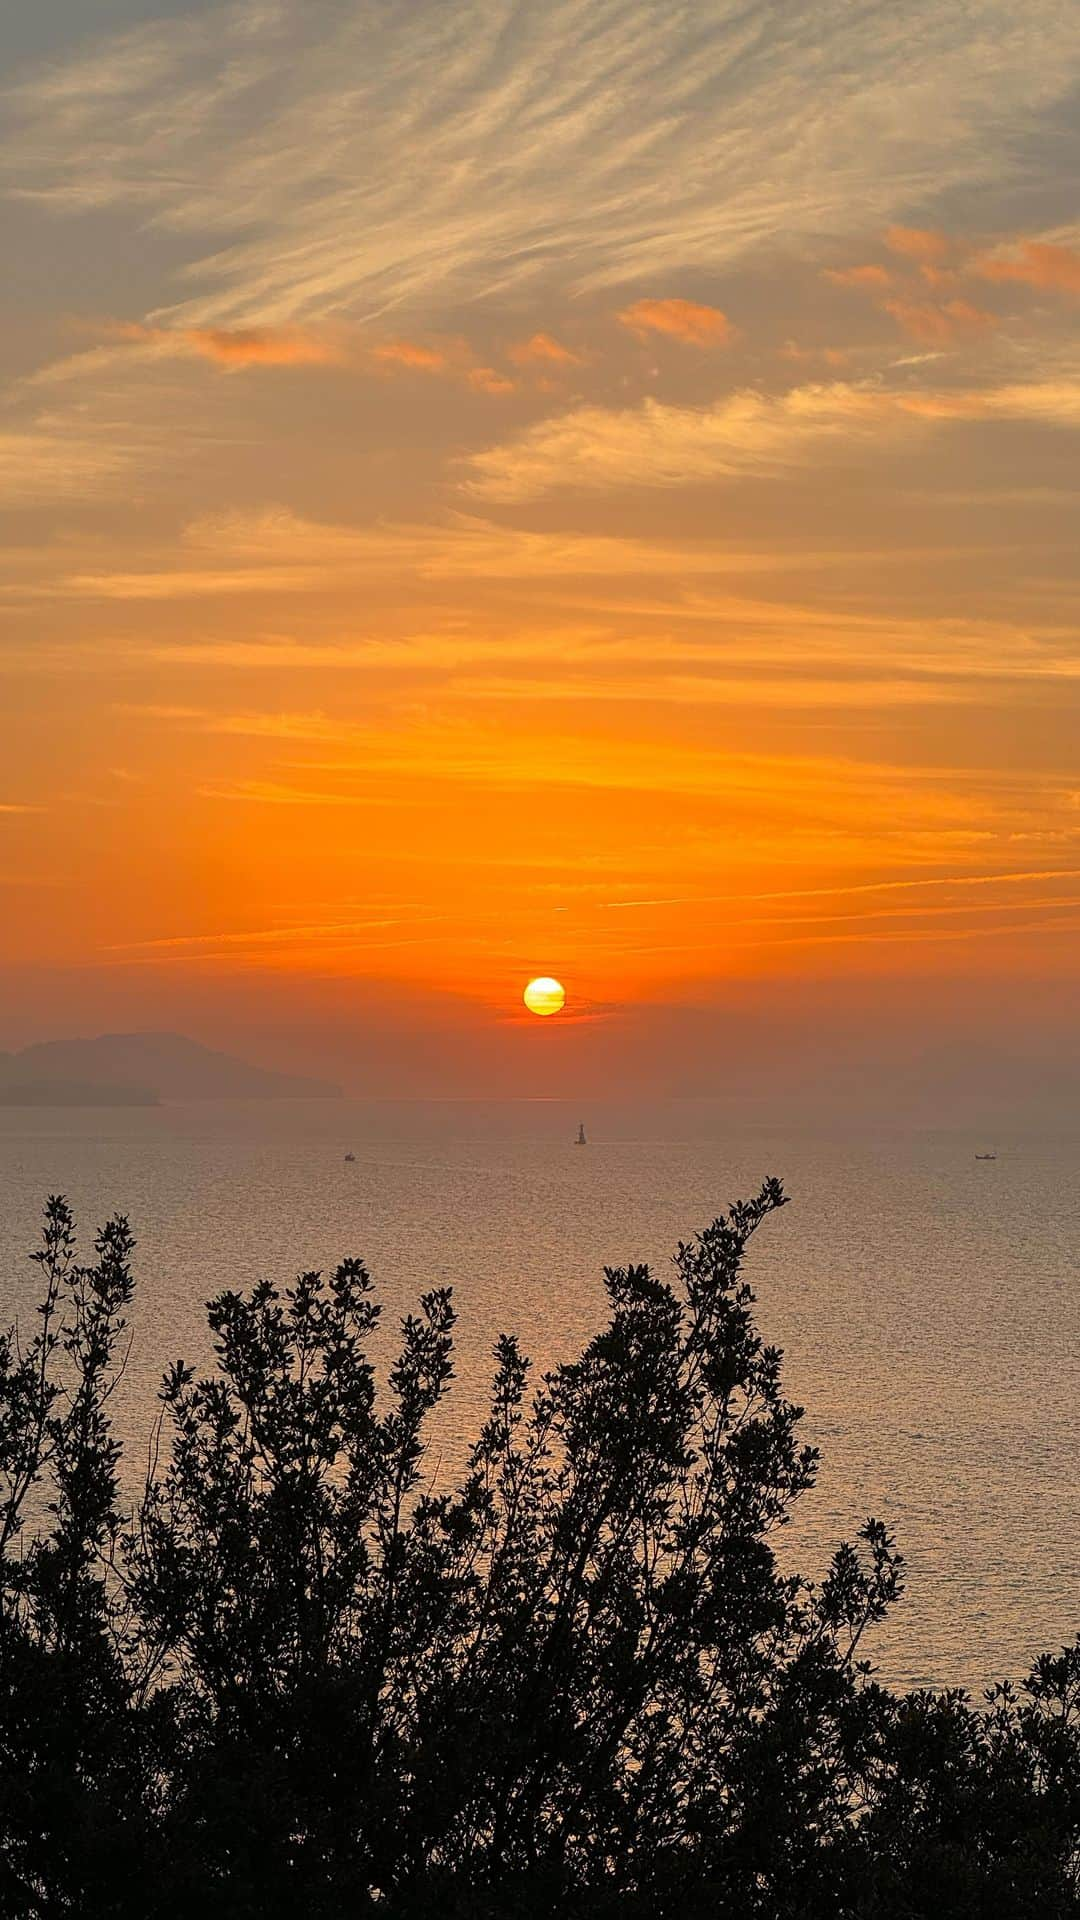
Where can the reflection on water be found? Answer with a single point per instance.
(927, 1303)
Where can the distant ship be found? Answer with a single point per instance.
(581, 1140)
(986, 1156)
(348, 1157)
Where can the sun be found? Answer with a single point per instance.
(544, 996)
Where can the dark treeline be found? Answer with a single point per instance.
(300, 1681)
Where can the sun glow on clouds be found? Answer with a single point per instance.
(556, 488)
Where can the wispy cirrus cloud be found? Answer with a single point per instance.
(593, 144)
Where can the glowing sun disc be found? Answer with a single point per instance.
(544, 996)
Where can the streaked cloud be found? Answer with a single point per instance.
(717, 643)
(277, 551)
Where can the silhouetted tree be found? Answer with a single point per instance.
(72, 1791)
(301, 1681)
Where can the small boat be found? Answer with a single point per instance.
(581, 1140)
(986, 1156)
(349, 1158)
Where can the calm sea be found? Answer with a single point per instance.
(928, 1303)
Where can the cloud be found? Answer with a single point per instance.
(1047, 403)
(939, 326)
(657, 445)
(59, 457)
(832, 356)
(278, 552)
(453, 360)
(1034, 263)
(684, 320)
(923, 244)
(943, 263)
(256, 726)
(320, 160)
(747, 432)
(351, 348)
(489, 380)
(821, 801)
(235, 348)
(939, 323)
(411, 355)
(688, 630)
(871, 278)
(542, 350)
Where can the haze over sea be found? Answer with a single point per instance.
(927, 1302)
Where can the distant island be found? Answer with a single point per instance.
(141, 1070)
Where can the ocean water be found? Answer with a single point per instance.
(928, 1303)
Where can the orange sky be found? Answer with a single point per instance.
(492, 490)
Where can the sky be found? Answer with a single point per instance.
(584, 488)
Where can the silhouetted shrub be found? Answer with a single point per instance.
(581, 1684)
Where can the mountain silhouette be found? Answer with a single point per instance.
(141, 1069)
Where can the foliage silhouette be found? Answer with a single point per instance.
(298, 1682)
